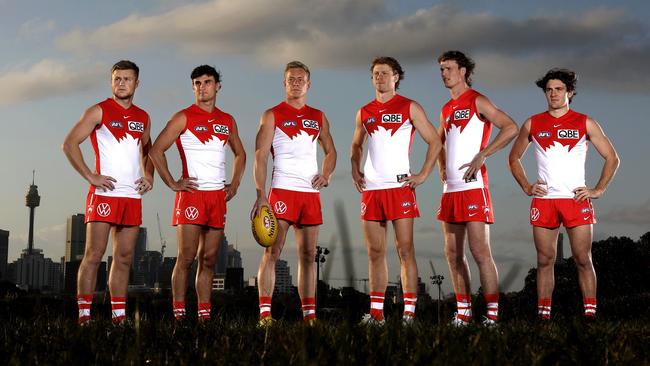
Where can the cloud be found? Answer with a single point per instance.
(631, 215)
(48, 78)
(35, 28)
(349, 33)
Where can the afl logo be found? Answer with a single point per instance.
(103, 209)
(136, 126)
(280, 207)
(472, 207)
(222, 129)
(534, 214)
(461, 114)
(543, 134)
(406, 204)
(191, 213)
(289, 124)
(391, 118)
(308, 123)
(585, 210)
(363, 208)
(116, 124)
(201, 128)
(370, 120)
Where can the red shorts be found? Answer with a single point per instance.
(464, 206)
(123, 211)
(550, 212)
(389, 204)
(205, 208)
(298, 208)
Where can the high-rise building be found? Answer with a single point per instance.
(282, 277)
(35, 272)
(75, 238)
(234, 258)
(4, 252)
(222, 256)
(140, 247)
(234, 278)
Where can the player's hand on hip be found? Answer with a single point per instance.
(257, 206)
(230, 190)
(538, 189)
(443, 175)
(104, 182)
(473, 166)
(412, 180)
(143, 185)
(319, 181)
(583, 193)
(359, 181)
(185, 185)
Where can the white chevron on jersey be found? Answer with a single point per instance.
(119, 159)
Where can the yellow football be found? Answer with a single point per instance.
(265, 227)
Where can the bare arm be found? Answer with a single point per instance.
(539, 188)
(442, 156)
(356, 152)
(329, 159)
(607, 151)
(263, 143)
(91, 118)
(239, 161)
(430, 136)
(167, 136)
(507, 131)
(145, 184)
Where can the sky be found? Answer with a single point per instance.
(56, 63)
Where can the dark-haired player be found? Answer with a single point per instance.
(201, 132)
(119, 133)
(560, 194)
(386, 184)
(466, 122)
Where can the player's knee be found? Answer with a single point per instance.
(184, 262)
(271, 255)
(376, 254)
(307, 254)
(582, 260)
(545, 260)
(406, 252)
(92, 258)
(209, 259)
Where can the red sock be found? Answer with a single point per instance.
(118, 305)
(377, 305)
(410, 299)
(544, 308)
(464, 307)
(179, 310)
(492, 301)
(265, 306)
(204, 311)
(83, 303)
(308, 308)
(590, 306)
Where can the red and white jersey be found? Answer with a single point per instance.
(561, 151)
(295, 147)
(466, 134)
(390, 134)
(118, 148)
(202, 146)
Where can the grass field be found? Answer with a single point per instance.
(240, 342)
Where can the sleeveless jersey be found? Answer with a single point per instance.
(295, 147)
(117, 145)
(560, 151)
(202, 146)
(466, 134)
(390, 134)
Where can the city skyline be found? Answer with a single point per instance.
(61, 56)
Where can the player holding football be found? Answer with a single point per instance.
(386, 183)
(466, 122)
(201, 133)
(291, 131)
(119, 133)
(560, 195)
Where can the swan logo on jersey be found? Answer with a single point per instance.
(309, 123)
(568, 134)
(201, 128)
(136, 126)
(222, 129)
(391, 118)
(289, 124)
(116, 124)
(472, 206)
(544, 134)
(461, 114)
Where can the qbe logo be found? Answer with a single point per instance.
(568, 134)
(309, 123)
(116, 124)
(136, 126)
(222, 129)
(534, 214)
(289, 124)
(461, 114)
(391, 118)
(201, 128)
(543, 134)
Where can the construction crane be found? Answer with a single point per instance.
(163, 243)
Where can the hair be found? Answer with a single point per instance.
(297, 65)
(393, 63)
(462, 60)
(205, 70)
(126, 65)
(568, 77)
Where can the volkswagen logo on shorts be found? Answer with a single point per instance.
(191, 213)
(280, 207)
(534, 214)
(103, 209)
